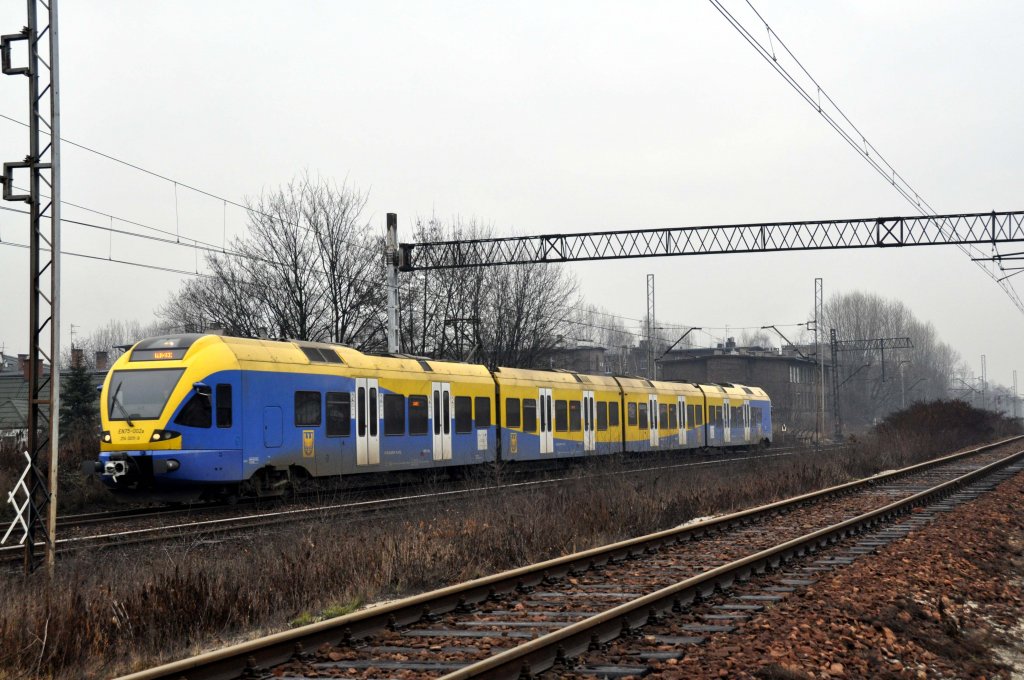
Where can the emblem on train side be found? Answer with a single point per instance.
(307, 443)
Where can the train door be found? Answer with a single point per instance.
(746, 421)
(652, 410)
(367, 422)
(681, 410)
(547, 436)
(726, 422)
(441, 416)
(589, 439)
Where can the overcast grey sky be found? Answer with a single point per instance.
(540, 117)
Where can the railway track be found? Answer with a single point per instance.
(212, 529)
(129, 514)
(525, 621)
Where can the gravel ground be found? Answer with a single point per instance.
(945, 602)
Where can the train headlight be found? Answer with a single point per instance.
(163, 435)
(105, 436)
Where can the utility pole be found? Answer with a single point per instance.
(984, 383)
(651, 370)
(837, 426)
(43, 166)
(391, 261)
(1015, 394)
(819, 302)
(903, 389)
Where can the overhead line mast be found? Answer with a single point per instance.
(43, 166)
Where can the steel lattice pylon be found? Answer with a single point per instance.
(881, 232)
(43, 167)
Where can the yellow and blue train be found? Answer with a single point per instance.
(199, 416)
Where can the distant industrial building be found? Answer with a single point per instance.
(791, 375)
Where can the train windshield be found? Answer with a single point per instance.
(142, 394)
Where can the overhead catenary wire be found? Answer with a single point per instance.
(888, 172)
(178, 183)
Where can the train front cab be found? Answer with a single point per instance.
(170, 418)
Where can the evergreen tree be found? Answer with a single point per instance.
(78, 410)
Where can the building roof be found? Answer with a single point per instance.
(8, 363)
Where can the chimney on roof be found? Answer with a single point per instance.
(102, 361)
(77, 357)
(730, 343)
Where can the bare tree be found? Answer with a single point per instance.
(111, 336)
(307, 267)
(868, 391)
(511, 316)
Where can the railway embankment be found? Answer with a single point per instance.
(105, 614)
(946, 601)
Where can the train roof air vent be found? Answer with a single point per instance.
(321, 355)
(425, 365)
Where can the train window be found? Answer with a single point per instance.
(223, 405)
(737, 416)
(437, 411)
(394, 415)
(307, 409)
(602, 415)
(673, 417)
(196, 412)
(512, 418)
(642, 414)
(483, 412)
(663, 419)
(446, 419)
(574, 416)
(562, 416)
(631, 408)
(690, 418)
(698, 416)
(418, 414)
(613, 413)
(361, 401)
(339, 414)
(374, 418)
(463, 414)
(529, 415)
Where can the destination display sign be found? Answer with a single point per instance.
(158, 354)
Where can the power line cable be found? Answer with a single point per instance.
(888, 172)
(178, 183)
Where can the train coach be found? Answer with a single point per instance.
(199, 416)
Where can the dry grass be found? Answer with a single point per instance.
(110, 613)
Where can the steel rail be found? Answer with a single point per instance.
(545, 651)
(229, 663)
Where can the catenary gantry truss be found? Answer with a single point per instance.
(881, 232)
